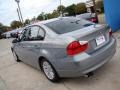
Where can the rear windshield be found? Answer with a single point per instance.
(66, 25)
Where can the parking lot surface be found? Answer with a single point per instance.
(19, 76)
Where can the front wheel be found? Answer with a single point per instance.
(49, 71)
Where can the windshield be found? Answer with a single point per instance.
(66, 25)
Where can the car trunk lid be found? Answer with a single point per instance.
(96, 35)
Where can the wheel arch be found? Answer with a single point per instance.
(40, 61)
(45, 54)
(41, 58)
(12, 49)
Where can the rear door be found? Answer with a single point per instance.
(31, 44)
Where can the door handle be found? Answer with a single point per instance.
(27, 46)
(36, 46)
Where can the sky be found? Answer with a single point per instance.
(29, 8)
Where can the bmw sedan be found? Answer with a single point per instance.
(65, 47)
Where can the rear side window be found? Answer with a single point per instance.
(66, 25)
(33, 33)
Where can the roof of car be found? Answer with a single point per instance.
(51, 20)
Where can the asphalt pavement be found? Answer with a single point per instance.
(20, 76)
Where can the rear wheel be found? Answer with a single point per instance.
(49, 71)
(16, 57)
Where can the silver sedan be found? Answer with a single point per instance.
(65, 47)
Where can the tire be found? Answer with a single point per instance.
(16, 57)
(49, 71)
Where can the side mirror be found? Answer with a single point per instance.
(16, 36)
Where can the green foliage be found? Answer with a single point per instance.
(71, 10)
(1, 24)
(99, 5)
(55, 14)
(27, 22)
(61, 9)
(43, 16)
(40, 17)
(80, 8)
(33, 19)
(1, 27)
(4, 28)
(16, 24)
(49, 16)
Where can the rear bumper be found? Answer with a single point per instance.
(85, 63)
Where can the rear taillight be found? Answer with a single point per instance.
(110, 32)
(76, 47)
(93, 19)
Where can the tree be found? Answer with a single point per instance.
(49, 16)
(55, 14)
(16, 24)
(61, 9)
(27, 21)
(80, 8)
(1, 27)
(4, 28)
(33, 19)
(99, 5)
(1, 24)
(71, 10)
(40, 17)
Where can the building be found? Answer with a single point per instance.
(90, 6)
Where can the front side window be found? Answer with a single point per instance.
(24, 34)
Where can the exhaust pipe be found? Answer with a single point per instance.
(89, 74)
